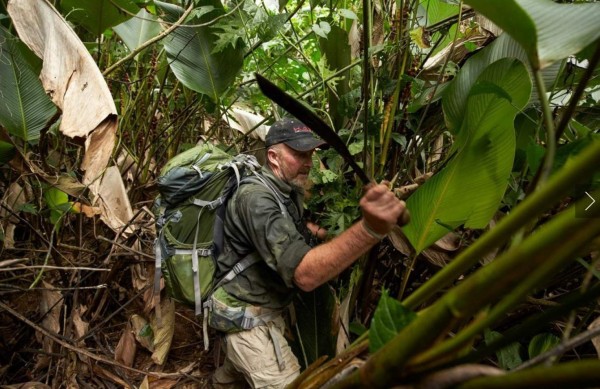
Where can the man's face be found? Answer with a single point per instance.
(292, 166)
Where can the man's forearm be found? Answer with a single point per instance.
(327, 260)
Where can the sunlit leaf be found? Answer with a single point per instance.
(389, 318)
(25, 109)
(548, 31)
(348, 14)
(321, 29)
(470, 187)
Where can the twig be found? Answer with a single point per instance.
(561, 348)
(129, 249)
(83, 351)
(49, 267)
(149, 42)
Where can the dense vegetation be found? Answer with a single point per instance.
(483, 114)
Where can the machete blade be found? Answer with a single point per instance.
(314, 122)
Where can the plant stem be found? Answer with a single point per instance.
(578, 374)
(582, 166)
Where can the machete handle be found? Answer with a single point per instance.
(404, 219)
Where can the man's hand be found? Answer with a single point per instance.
(382, 210)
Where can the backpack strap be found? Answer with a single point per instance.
(257, 178)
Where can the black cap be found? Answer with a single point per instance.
(293, 133)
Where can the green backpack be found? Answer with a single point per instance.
(194, 188)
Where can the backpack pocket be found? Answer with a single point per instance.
(179, 276)
(225, 312)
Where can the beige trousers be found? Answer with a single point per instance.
(251, 361)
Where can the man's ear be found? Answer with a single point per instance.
(272, 155)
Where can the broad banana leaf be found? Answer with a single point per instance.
(72, 79)
(135, 31)
(455, 96)
(98, 15)
(190, 52)
(469, 189)
(25, 109)
(547, 31)
(337, 52)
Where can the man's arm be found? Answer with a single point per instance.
(381, 211)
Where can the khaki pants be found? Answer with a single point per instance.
(250, 359)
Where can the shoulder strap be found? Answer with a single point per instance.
(257, 178)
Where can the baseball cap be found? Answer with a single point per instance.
(293, 133)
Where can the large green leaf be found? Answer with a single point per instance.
(98, 15)
(135, 31)
(337, 51)
(316, 327)
(455, 96)
(25, 109)
(189, 50)
(390, 317)
(468, 190)
(547, 31)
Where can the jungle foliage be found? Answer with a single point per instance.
(483, 114)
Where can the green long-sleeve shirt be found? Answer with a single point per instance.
(255, 224)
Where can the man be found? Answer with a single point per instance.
(250, 307)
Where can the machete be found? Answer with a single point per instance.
(315, 123)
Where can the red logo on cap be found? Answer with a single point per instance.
(301, 129)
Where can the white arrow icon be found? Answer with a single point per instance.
(593, 201)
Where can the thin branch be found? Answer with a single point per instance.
(83, 351)
(149, 42)
(562, 347)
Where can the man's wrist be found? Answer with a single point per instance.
(370, 231)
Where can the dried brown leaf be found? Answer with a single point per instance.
(400, 241)
(163, 333)
(27, 385)
(139, 327)
(113, 201)
(50, 306)
(72, 79)
(596, 340)
(126, 348)
(450, 242)
(81, 327)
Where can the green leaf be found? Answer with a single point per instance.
(55, 198)
(189, 50)
(316, 331)
(456, 94)
(7, 152)
(348, 14)
(470, 187)
(58, 203)
(98, 15)
(321, 29)
(25, 109)
(509, 357)
(29, 208)
(389, 318)
(268, 29)
(135, 31)
(542, 343)
(337, 51)
(547, 31)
